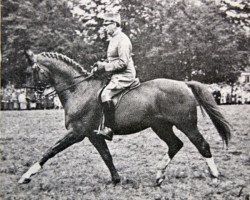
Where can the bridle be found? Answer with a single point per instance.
(70, 86)
(40, 86)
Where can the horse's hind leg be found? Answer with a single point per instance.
(70, 138)
(201, 144)
(165, 132)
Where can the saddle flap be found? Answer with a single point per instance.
(117, 97)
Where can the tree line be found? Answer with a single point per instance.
(179, 39)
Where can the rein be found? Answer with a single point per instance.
(70, 86)
(38, 68)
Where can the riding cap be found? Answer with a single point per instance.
(112, 17)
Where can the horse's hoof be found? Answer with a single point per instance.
(159, 181)
(24, 180)
(215, 182)
(116, 181)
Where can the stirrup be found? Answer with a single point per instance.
(106, 133)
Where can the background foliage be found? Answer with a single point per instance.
(184, 39)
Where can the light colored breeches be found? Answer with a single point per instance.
(108, 93)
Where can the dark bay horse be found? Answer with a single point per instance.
(159, 104)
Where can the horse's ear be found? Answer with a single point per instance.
(30, 56)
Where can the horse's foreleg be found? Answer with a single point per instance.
(165, 132)
(69, 139)
(101, 146)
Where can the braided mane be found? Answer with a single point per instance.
(65, 59)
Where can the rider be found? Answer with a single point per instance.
(120, 64)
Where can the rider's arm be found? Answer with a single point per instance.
(120, 63)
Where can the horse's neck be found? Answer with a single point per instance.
(81, 92)
(64, 77)
(64, 80)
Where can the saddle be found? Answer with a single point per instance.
(117, 98)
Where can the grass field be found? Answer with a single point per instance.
(79, 173)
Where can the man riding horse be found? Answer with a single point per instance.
(120, 64)
(159, 104)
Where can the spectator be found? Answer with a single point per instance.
(22, 100)
(239, 99)
(57, 102)
(247, 97)
(1, 98)
(223, 95)
(217, 96)
(48, 103)
(31, 99)
(14, 99)
(6, 101)
(233, 96)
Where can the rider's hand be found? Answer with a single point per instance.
(99, 67)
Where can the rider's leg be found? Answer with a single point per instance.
(109, 114)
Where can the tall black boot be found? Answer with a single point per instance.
(109, 113)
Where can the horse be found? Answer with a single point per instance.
(159, 104)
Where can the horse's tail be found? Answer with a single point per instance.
(206, 100)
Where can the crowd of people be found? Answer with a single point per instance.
(27, 99)
(226, 94)
(24, 99)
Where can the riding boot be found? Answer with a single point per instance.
(109, 114)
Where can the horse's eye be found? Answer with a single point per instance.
(34, 66)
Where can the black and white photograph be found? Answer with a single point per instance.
(125, 99)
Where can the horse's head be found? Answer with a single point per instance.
(54, 69)
(37, 75)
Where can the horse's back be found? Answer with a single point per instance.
(167, 84)
(168, 89)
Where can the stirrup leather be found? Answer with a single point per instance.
(104, 131)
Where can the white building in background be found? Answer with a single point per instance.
(245, 76)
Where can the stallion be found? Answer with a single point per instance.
(159, 104)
